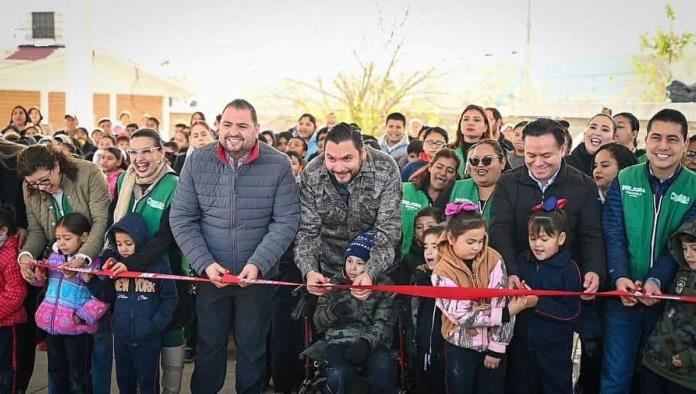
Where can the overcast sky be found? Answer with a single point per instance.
(226, 48)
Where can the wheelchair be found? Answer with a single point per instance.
(315, 365)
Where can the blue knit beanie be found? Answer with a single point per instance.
(361, 246)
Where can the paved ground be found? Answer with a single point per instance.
(39, 381)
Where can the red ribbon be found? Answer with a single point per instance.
(452, 293)
(550, 205)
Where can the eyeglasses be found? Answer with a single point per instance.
(691, 154)
(143, 152)
(486, 161)
(436, 144)
(44, 182)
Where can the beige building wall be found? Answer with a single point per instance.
(12, 98)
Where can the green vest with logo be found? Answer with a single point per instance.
(415, 199)
(649, 223)
(462, 161)
(467, 190)
(151, 206)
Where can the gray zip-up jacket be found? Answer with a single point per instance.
(327, 224)
(234, 216)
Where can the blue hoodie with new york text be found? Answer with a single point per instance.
(143, 307)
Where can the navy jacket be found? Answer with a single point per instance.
(665, 267)
(429, 319)
(143, 307)
(550, 323)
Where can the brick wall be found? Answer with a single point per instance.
(101, 107)
(56, 111)
(139, 105)
(11, 98)
(178, 117)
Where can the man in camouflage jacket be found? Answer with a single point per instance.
(348, 190)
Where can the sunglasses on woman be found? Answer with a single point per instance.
(485, 160)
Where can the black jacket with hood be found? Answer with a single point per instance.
(143, 307)
(581, 159)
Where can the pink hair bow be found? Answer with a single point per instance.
(452, 209)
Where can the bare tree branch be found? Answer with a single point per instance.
(376, 89)
(319, 89)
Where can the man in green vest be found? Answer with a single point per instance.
(644, 206)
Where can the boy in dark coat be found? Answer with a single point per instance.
(429, 359)
(143, 308)
(670, 351)
(358, 333)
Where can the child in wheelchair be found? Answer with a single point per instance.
(358, 333)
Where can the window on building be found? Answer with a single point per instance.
(42, 25)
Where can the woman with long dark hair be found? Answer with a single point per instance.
(197, 116)
(306, 126)
(430, 186)
(35, 116)
(19, 117)
(472, 127)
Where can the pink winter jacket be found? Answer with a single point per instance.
(477, 325)
(67, 298)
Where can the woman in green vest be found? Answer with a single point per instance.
(472, 127)
(486, 162)
(147, 187)
(430, 186)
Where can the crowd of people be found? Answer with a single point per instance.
(497, 206)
